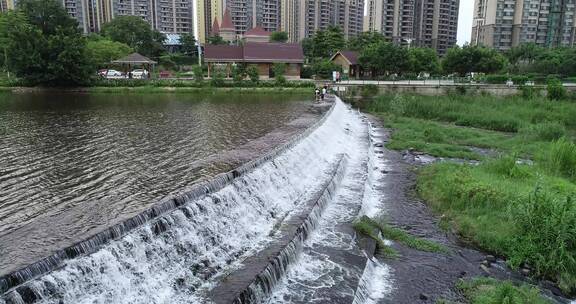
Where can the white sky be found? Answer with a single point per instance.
(465, 21)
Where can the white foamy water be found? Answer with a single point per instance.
(376, 283)
(323, 272)
(179, 257)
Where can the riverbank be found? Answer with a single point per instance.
(514, 207)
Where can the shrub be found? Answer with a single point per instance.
(491, 291)
(547, 131)
(198, 74)
(369, 90)
(217, 78)
(324, 68)
(528, 92)
(560, 159)
(496, 79)
(556, 91)
(307, 72)
(252, 72)
(506, 166)
(543, 223)
(238, 74)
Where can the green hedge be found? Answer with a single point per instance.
(132, 83)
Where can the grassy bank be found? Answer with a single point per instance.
(489, 291)
(523, 212)
(449, 125)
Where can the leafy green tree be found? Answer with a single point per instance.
(385, 58)
(423, 60)
(216, 40)
(364, 39)
(279, 37)
(327, 43)
(468, 59)
(42, 49)
(527, 52)
(101, 51)
(188, 43)
(48, 15)
(136, 33)
(252, 72)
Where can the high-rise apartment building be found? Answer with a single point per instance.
(173, 16)
(6, 5)
(302, 18)
(503, 24)
(425, 23)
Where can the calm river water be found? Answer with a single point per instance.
(71, 164)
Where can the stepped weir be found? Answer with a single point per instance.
(233, 239)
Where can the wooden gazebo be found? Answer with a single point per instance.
(136, 60)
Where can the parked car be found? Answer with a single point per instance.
(110, 74)
(140, 74)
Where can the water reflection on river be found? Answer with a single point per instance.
(71, 164)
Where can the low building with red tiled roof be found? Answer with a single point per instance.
(348, 60)
(261, 55)
(257, 34)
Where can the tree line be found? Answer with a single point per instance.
(43, 45)
(380, 57)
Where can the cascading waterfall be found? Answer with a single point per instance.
(181, 247)
(264, 283)
(374, 284)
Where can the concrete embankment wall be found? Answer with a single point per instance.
(438, 90)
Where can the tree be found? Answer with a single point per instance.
(327, 43)
(216, 40)
(525, 52)
(188, 43)
(279, 37)
(101, 51)
(42, 49)
(423, 60)
(136, 33)
(49, 16)
(364, 39)
(385, 58)
(468, 59)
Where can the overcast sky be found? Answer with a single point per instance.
(465, 21)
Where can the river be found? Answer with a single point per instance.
(74, 164)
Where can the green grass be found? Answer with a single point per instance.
(374, 229)
(490, 291)
(448, 126)
(368, 229)
(512, 210)
(524, 213)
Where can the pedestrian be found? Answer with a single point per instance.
(317, 94)
(323, 92)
